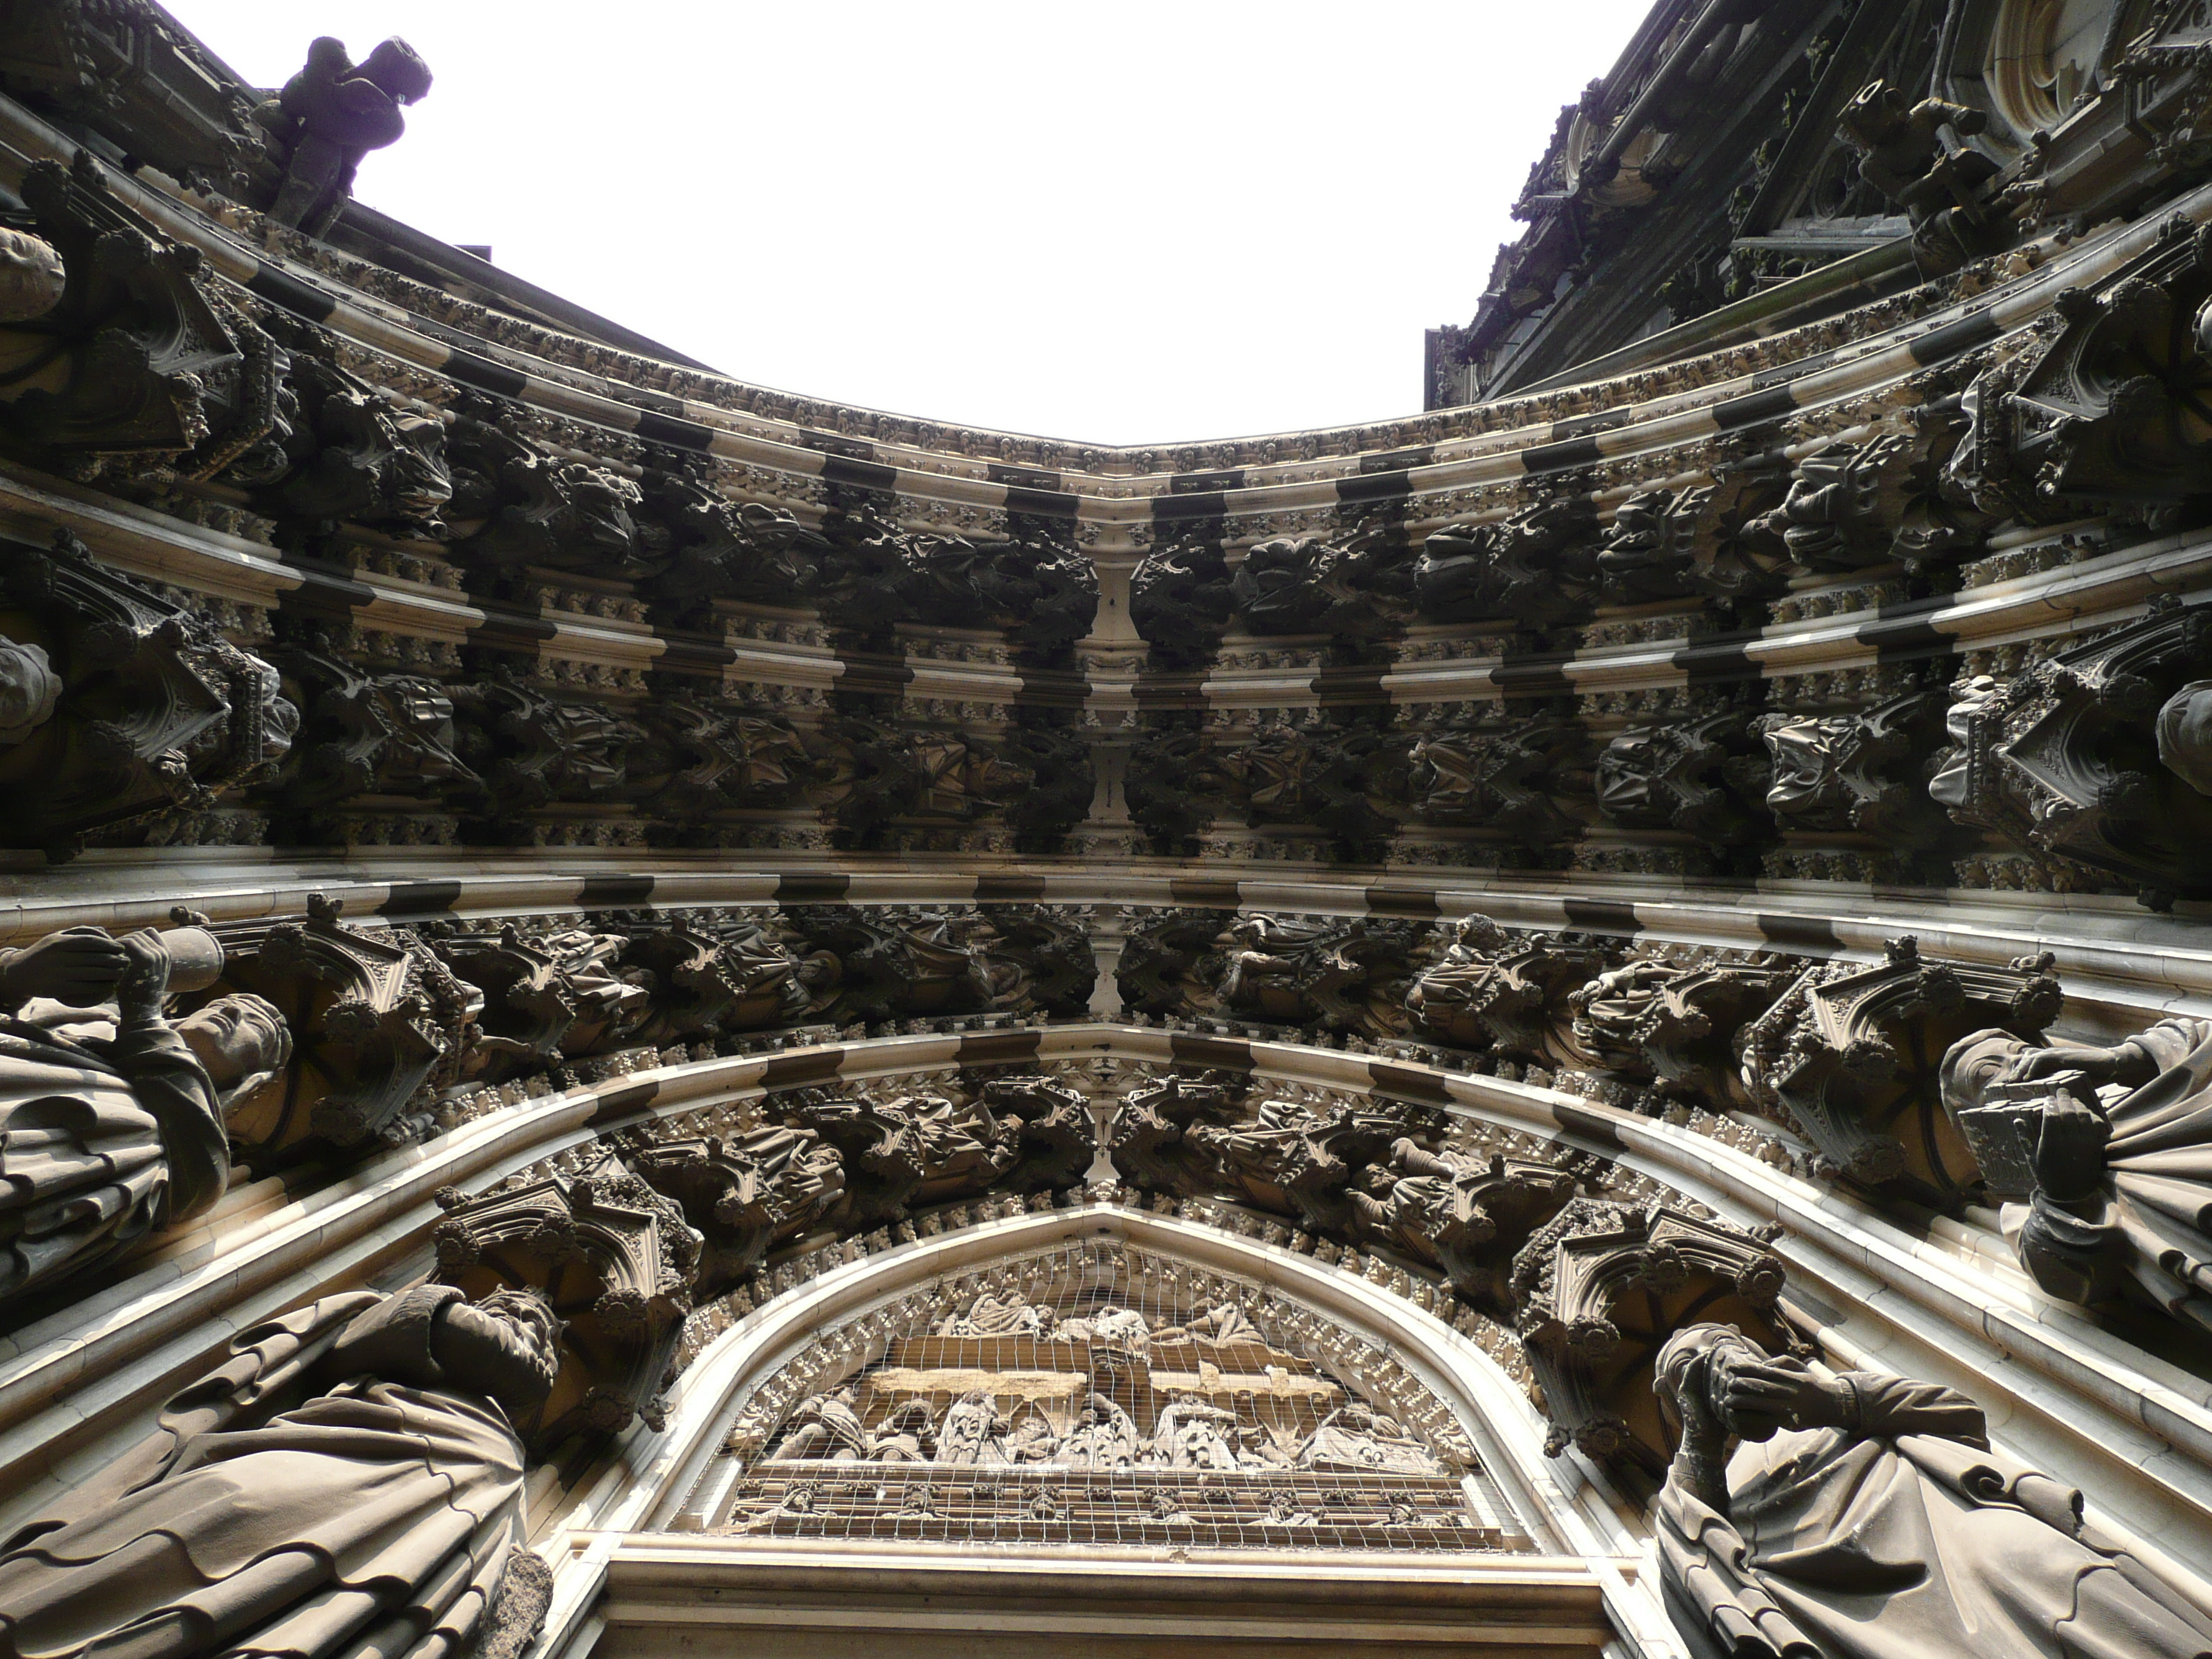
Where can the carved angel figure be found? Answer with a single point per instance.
(2120, 1190)
(105, 1141)
(1854, 1516)
(348, 1484)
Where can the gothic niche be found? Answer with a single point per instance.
(1098, 1392)
(2101, 755)
(1852, 1059)
(613, 1259)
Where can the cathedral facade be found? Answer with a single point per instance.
(641, 1017)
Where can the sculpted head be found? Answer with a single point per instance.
(31, 279)
(399, 70)
(1972, 1063)
(243, 1041)
(29, 690)
(2185, 735)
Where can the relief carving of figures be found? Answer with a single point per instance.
(1536, 568)
(748, 975)
(1680, 1026)
(371, 1441)
(1469, 1215)
(1651, 551)
(1349, 780)
(974, 1430)
(1059, 786)
(616, 1261)
(1191, 1434)
(690, 756)
(1850, 1057)
(113, 1125)
(1181, 600)
(545, 997)
(2103, 1157)
(825, 1426)
(1701, 776)
(1149, 1137)
(918, 1148)
(1104, 1437)
(744, 1193)
(1800, 1497)
(515, 506)
(1487, 989)
(1500, 774)
(1858, 773)
(329, 116)
(1178, 782)
(116, 705)
(2101, 755)
(900, 963)
(1355, 1436)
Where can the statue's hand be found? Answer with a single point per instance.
(2069, 1147)
(77, 967)
(1759, 1397)
(2101, 1065)
(145, 978)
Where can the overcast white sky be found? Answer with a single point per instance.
(1120, 223)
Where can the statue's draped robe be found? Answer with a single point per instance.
(2158, 1176)
(274, 1515)
(1908, 1541)
(101, 1144)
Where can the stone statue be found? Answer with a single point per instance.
(333, 112)
(974, 1430)
(1193, 1435)
(1104, 1437)
(1355, 1436)
(908, 1434)
(994, 1315)
(1220, 1324)
(2116, 1194)
(349, 1481)
(1854, 1516)
(825, 1426)
(105, 1141)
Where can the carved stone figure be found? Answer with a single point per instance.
(2096, 755)
(1677, 1024)
(1939, 189)
(918, 1147)
(1849, 1053)
(974, 1430)
(514, 505)
(1348, 779)
(1292, 1156)
(710, 547)
(1337, 976)
(1304, 585)
(1843, 504)
(1355, 1436)
(1471, 1215)
(1193, 1435)
(1103, 1437)
(132, 356)
(352, 1474)
(1040, 595)
(1498, 774)
(105, 1141)
(1178, 782)
(1652, 549)
(1858, 772)
(1854, 1516)
(154, 712)
(1485, 989)
(908, 1434)
(825, 1426)
(1180, 600)
(330, 115)
(382, 734)
(1149, 1137)
(691, 755)
(528, 749)
(344, 453)
(616, 1263)
(2107, 1153)
(1700, 776)
(744, 1193)
(1536, 568)
(749, 977)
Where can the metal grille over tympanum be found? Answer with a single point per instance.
(1096, 1393)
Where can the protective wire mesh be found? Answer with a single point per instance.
(1097, 1394)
